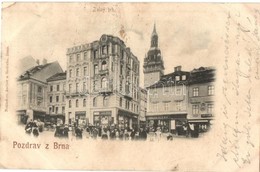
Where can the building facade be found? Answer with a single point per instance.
(168, 101)
(143, 106)
(153, 67)
(201, 95)
(32, 91)
(102, 84)
(56, 100)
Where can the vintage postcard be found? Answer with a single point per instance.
(130, 86)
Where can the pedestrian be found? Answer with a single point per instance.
(158, 133)
(78, 133)
(28, 127)
(126, 135)
(113, 134)
(117, 134)
(66, 131)
(142, 134)
(95, 133)
(132, 134)
(35, 132)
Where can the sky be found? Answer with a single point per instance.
(188, 33)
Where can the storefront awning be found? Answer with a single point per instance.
(126, 113)
(198, 121)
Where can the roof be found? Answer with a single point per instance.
(202, 75)
(32, 71)
(57, 77)
(170, 80)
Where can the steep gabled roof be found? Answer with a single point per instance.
(170, 80)
(202, 75)
(30, 72)
(57, 77)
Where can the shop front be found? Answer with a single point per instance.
(103, 119)
(80, 118)
(39, 115)
(167, 123)
(127, 120)
(203, 123)
(22, 116)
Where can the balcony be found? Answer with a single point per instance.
(103, 56)
(178, 97)
(76, 93)
(103, 72)
(200, 99)
(128, 95)
(105, 91)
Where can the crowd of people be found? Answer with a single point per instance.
(34, 127)
(112, 132)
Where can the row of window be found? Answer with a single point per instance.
(78, 57)
(53, 109)
(129, 105)
(57, 98)
(211, 91)
(84, 102)
(166, 106)
(178, 91)
(195, 109)
(57, 87)
(104, 85)
(77, 72)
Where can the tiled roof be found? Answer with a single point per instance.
(202, 75)
(170, 79)
(32, 71)
(57, 76)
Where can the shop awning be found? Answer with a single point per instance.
(199, 121)
(126, 113)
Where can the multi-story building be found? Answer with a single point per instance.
(32, 91)
(102, 84)
(153, 62)
(56, 100)
(168, 101)
(201, 95)
(143, 106)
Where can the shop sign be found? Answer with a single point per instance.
(161, 117)
(103, 113)
(206, 115)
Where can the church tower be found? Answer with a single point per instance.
(153, 62)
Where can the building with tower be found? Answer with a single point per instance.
(153, 62)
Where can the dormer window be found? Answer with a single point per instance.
(177, 78)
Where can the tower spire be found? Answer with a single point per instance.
(154, 28)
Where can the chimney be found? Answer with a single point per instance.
(177, 68)
(38, 62)
(44, 61)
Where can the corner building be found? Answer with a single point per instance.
(102, 84)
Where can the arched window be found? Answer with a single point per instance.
(95, 102)
(104, 65)
(105, 101)
(84, 102)
(77, 103)
(69, 103)
(104, 82)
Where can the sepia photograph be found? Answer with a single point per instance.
(130, 86)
